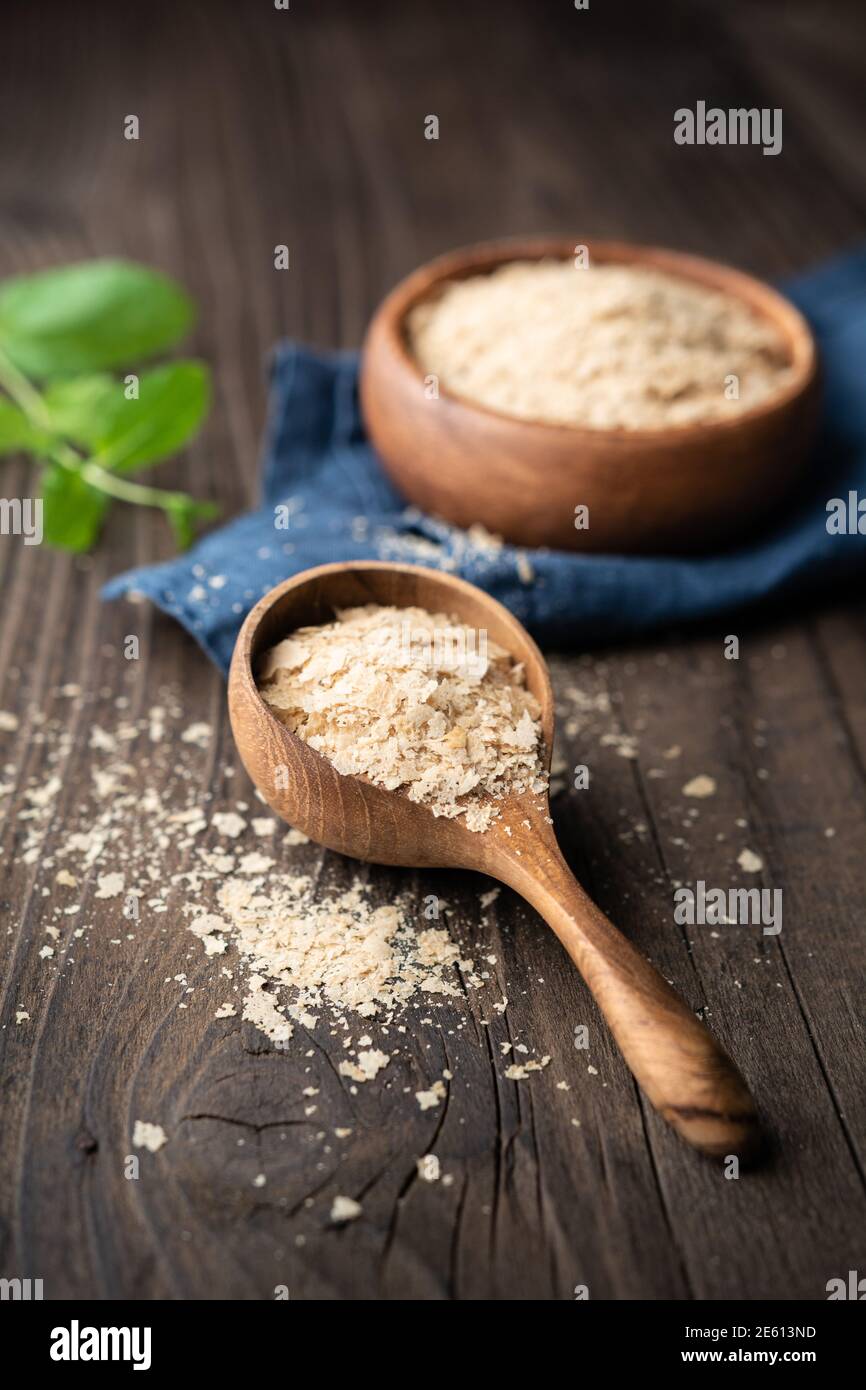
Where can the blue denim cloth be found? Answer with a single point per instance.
(340, 506)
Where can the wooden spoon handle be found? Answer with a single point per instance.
(687, 1076)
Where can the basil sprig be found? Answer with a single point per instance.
(62, 334)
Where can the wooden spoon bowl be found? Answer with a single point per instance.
(685, 488)
(682, 1069)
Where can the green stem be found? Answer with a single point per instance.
(121, 488)
(23, 393)
(28, 399)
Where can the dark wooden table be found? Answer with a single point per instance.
(305, 127)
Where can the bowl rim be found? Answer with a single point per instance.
(484, 257)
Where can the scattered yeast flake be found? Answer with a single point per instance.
(700, 786)
(109, 885)
(345, 1209)
(261, 1008)
(432, 1097)
(263, 825)
(255, 863)
(368, 1065)
(198, 734)
(228, 823)
(750, 862)
(520, 1071)
(148, 1136)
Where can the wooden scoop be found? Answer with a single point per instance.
(682, 1069)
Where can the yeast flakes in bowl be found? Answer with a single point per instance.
(678, 435)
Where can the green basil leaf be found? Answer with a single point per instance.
(16, 431)
(125, 433)
(75, 407)
(73, 511)
(90, 316)
(172, 403)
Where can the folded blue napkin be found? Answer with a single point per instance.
(325, 498)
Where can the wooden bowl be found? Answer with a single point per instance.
(685, 488)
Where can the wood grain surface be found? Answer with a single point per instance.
(305, 127)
